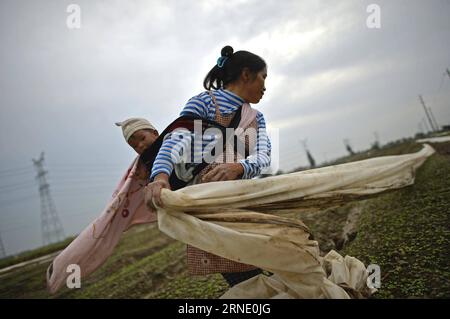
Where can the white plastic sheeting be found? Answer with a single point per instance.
(238, 220)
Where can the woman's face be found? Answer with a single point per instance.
(256, 87)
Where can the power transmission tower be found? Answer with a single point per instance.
(312, 162)
(2, 249)
(376, 143)
(348, 147)
(433, 119)
(427, 129)
(52, 230)
(426, 113)
(420, 127)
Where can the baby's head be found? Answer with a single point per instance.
(138, 133)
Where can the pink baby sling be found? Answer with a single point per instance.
(92, 247)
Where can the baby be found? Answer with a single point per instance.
(139, 134)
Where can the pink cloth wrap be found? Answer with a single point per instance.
(97, 241)
(248, 114)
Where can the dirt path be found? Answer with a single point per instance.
(38, 260)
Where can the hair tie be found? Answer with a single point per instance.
(221, 61)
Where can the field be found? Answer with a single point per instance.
(406, 232)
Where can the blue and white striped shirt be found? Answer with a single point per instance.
(203, 106)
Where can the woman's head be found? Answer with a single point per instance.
(241, 72)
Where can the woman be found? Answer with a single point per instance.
(237, 80)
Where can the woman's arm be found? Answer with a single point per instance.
(260, 156)
(170, 153)
(174, 142)
(249, 167)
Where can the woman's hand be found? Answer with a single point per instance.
(224, 172)
(153, 190)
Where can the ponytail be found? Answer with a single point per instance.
(229, 67)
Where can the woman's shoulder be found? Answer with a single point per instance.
(203, 96)
(198, 105)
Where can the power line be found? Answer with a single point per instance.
(66, 179)
(21, 226)
(19, 185)
(12, 170)
(31, 224)
(68, 189)
(62, 185)
(96, 165)
(78, 168)
(20, 200)
(69, 173)
(427, 129)
(15, 173)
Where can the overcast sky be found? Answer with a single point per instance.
(330, 77)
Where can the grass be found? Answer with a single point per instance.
(31, 254)
(407, 233)
(145, 264)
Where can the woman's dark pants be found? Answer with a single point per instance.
(233, 278)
